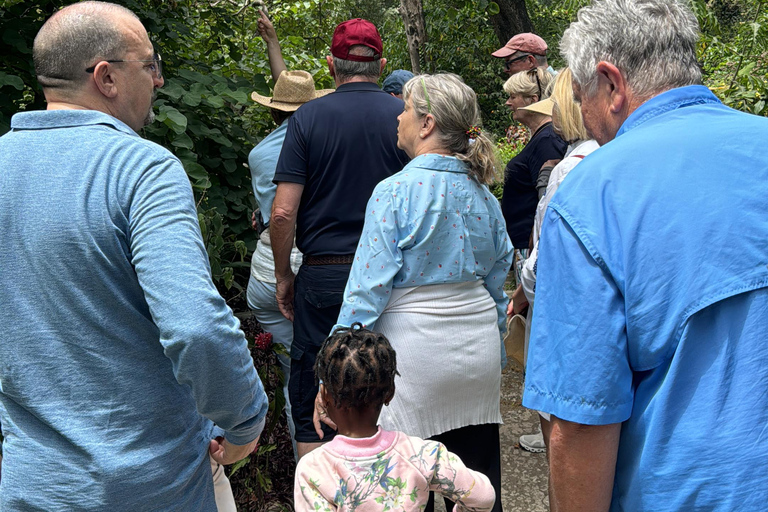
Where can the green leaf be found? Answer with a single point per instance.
(194, 76)
(182, 140)
(195, 170)
(747, 69)
(15, 39)
(237, 465)
(230, 165)
(215, 101)
(174, 119)
(493, 9)
(12, 80)
(172, 89)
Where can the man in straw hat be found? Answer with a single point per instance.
(292, 89)
(648, 342)
(337, 148)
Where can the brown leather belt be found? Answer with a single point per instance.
(345, 259)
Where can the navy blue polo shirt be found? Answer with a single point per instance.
(339, 147)
(520, 197)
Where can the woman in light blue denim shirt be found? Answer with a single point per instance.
(429, 273)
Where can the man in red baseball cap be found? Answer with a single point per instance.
(336, 150)
(523, 52)
(353, 33)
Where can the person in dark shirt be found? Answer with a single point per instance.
(336, 150)
(520, 196)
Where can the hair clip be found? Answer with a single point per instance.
(473, 132)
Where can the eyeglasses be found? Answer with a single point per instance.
(156, 66)
(535, 72)
(508, 63)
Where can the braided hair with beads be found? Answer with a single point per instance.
(357, 367)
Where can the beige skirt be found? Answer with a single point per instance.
(448, 355)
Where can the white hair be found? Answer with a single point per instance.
(652, 43)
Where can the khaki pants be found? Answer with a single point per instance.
(225, 500)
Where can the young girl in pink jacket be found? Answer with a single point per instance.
(365, 468)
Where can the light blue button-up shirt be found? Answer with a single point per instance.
(117, 352)
(652, 304)
(431, 223)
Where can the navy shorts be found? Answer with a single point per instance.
(318, 293)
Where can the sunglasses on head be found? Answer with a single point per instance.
(535, 73)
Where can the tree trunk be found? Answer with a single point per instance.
(413, 19)
(511, 20)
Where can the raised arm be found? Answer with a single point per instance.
(274, 53)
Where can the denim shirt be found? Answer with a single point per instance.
(431, 223)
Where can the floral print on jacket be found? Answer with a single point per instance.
(389, 471)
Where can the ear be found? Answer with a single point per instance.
(382, 64)
(104, 79)
(615, 84)
(332, 71)
(427, 126)
(389, 396)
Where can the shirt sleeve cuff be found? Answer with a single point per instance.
(245, 436)
(576, 410)
(290, 178)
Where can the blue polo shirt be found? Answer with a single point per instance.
(652, 304)
(339, 147)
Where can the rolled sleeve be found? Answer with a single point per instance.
(578, 364)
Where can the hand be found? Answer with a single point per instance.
(266, 28)
(321, 414)
(284, 295)
(226, 453)
(552, 163)
(519, 302)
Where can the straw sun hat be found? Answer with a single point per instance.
(292, 90)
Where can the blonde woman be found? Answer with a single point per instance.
(568, 124)
(520, 178)
(429, 273)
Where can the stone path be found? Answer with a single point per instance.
(524, 474)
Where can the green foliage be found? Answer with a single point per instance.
(734, 52)
(214, 59)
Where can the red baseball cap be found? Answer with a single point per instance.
(354, 32)
(526, 42)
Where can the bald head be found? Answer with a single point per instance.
(75, 38)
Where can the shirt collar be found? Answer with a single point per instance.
(439, 163)
(359, 86)
(47, 119)
(672, 99)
